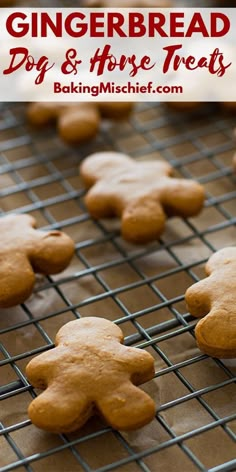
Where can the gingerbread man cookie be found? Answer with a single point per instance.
(90, 372)
(76, 122)
(24, 251)
(126, 3)
(142, 194)
(214, 298)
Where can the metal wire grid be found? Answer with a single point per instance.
(215, 125)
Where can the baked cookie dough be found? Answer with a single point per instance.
(76, 122)
(91, 372)
(141, 194)
(24, 251)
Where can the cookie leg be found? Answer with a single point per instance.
(198, 299)
(127, 408)
(41, 114)
(93, 3)
(58, 411)
(79, 124)
(143, 221)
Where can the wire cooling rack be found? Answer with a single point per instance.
(140, 288)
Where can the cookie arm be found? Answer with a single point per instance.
(198, 298)
(182, 197)
(100, 201)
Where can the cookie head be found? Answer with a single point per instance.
(7, 3)
(91, 372)
(100, 328)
